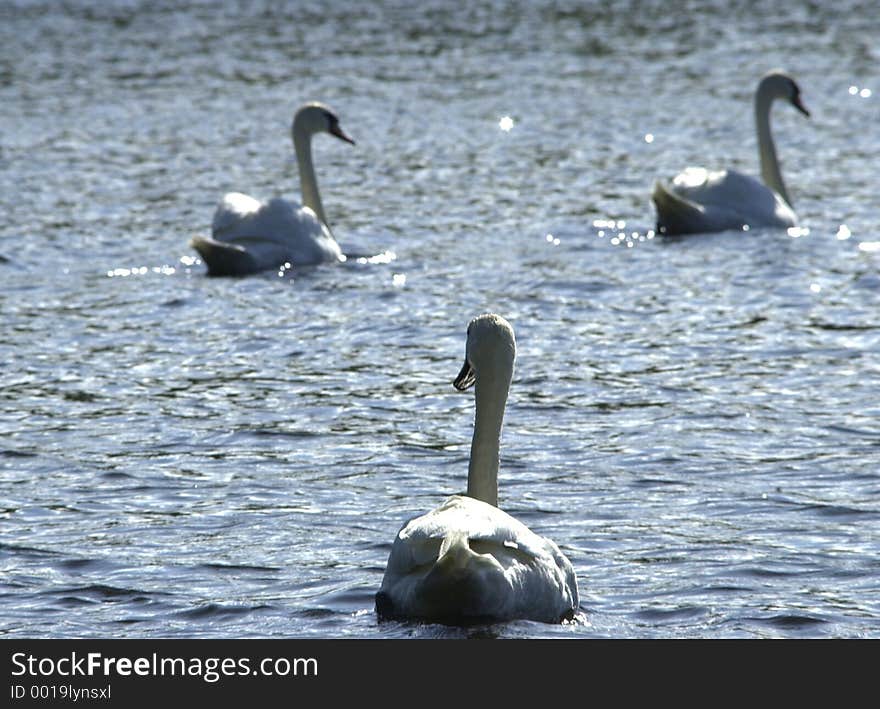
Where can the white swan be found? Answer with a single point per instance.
(467, 560)
(699, 200)
(249, 236)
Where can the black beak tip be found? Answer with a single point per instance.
(466, 377)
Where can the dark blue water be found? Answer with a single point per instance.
(694, 422)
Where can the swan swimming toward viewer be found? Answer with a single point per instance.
(249, 236)
(467, 560)
(700, 200)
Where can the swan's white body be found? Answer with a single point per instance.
(467, 560)
(700, 200)
(249, 236)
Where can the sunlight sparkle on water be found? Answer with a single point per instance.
(796, 232)
(843, 233)
(163, 270)
(384, 257)
(609, 224)
(629, 240)
(649, 137)
(552, 240)
(398, 280)
(505, 124)
(125, 272)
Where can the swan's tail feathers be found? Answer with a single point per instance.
(455, 552)
(223, 259)
(441, 587)
(384, 605)
(675, 214)
(463, 585)
(460, 586)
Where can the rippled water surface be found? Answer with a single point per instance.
(694, 421)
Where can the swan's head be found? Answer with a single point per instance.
(491, 347)
(778, 84)
(317, 117)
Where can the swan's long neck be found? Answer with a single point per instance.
(770, 171)
(490, 398)
(311, 198)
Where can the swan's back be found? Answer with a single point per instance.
(468, 560)
(700, 200)
(248, 236)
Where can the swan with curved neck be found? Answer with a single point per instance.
(249, 236)
(699, 200)
(467, 560)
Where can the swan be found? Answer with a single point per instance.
(249, 236)
(466, 560)
(701, 200)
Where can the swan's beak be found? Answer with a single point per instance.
(339, 133)
(466, 377)
(798, 104)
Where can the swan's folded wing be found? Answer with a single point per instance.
(700, 200)
(727, 189)
(274, 232)
(238, 216)
(232, 209)
(480, 522)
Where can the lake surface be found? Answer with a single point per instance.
(696, 422)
